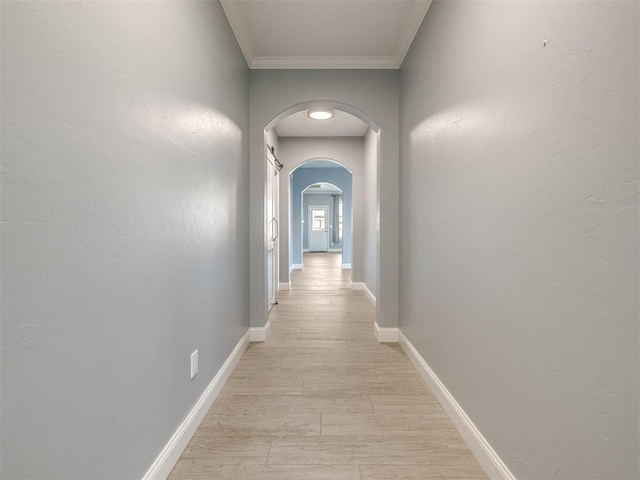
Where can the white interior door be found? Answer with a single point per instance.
(272, 230)
(318, 234)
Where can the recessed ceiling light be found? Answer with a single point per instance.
(320, 114)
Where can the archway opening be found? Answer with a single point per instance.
(322, 226)
(351, 147)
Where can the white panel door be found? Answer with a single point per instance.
(272, 230)
(318, 228)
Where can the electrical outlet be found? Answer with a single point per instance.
(194, 364)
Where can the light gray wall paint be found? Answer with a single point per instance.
(371, 209)
(374, 92)
(349, 151)
(519, 252)
(125, 223)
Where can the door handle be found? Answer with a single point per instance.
(271, 237)
(277, 228)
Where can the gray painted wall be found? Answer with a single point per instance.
(519, 226)
(371, 210)
(125, 223)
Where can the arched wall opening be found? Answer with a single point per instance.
(356, 161)
(314, 104)
(321, 221)
(346, 155)
(339, 239)
(370, 96)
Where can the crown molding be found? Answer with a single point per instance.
(416, 18)
(232, 11)
(239, 28)
(323, 63)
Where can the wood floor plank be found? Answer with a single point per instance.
(420, 472)
(432, 425)
(275, 404)
(367, 450)
(425, 403)
(227, 450)
(261, 386)
(259, 424)
(202, 470)
(335, 387)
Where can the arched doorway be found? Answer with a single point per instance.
(327, 184)
(367, 165)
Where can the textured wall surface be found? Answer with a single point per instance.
(124, 227)
(519, 226)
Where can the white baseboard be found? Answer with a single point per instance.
(385, 335)
(305, 250)
(335, 250)
(170, 454)
(363, 286)
(346, 266)
(285, 285)
(296, 266)
(259, 334)
(492, 464)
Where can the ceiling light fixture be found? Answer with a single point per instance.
(320, 114)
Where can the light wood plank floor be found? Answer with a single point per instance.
(322, 399)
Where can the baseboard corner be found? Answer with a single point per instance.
(259, 334)
(385, 335)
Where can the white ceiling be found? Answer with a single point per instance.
(343, 124)
(325, 33)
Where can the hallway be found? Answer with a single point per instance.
(322, 399)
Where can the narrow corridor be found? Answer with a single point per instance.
(322, 399)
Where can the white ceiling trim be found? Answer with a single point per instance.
(234, 16)
(410, 31)
(241, 33)
(262, 63)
